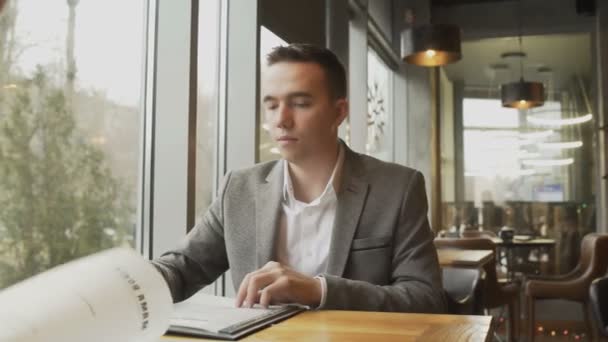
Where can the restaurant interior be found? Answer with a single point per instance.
(500, 104)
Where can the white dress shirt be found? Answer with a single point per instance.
(305, 228)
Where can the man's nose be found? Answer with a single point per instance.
(284, 116)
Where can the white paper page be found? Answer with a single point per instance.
(114, 295)
(213, 313)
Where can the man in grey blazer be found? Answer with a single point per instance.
(325, 226)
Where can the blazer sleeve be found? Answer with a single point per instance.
(415, 275)
(201, 257)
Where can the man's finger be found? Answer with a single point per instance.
(271, 265)
(256, 283)
(242, 292)
(240, 295)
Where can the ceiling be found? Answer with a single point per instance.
(567, 55)
(291, 20)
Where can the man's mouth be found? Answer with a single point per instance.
(286, 138)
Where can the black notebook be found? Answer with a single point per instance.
(204, 315)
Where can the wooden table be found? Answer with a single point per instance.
(371, 326)
(468, 258)
(522, 242)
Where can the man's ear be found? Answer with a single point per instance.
(341, 110)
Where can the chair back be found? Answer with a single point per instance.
(593, 262)
(598, 295)
(461, 287)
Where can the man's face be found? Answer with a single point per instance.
(302, 116)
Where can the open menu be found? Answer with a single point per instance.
(116, 295)
(205, 315)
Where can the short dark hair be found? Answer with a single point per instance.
(327, 60)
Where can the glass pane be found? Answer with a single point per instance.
(207, 102)
(505, 165)
(70, 113)
(379, 108)
(530, 170)
(486, 113)
(267, 148)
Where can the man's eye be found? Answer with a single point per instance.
(271, 106)
(301, 104)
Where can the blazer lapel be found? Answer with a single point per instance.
(351, 198)
(267, 213)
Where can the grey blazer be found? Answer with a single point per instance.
(381, 257)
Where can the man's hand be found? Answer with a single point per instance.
(275, 283)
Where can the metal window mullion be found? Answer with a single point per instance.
(240, 97)
(144, 224)
(171, 116)
(357, 81)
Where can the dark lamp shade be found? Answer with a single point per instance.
(522, 94)
(431, 45)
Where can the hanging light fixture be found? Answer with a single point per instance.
(536, 119)
(560, 145)
(548, 162)
(430, 45)
(521, 94)
(553, 117)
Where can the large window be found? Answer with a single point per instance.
(531, 170)
(70, 95)
(506, 159)
(267, 148)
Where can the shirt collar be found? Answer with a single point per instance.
(332, 186)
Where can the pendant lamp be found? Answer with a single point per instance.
(521, 94)
(431, 45)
